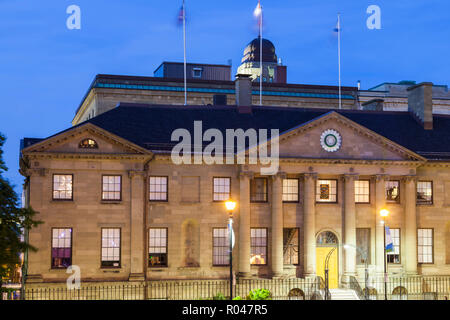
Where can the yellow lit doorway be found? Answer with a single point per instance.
(327, 241)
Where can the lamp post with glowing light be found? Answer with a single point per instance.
(230, 205)
(384, 213)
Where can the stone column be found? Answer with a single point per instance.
(137, 188)
(350, 224)
(277, 224)
(309, 225)
(410, 225)
(244, 225)
(380, 203)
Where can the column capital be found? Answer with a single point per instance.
(380, 177)
(279, 175)
(42, 172)
(136, 173)
(349, 177)
(409, 178)
(310, 176)
(246, 174)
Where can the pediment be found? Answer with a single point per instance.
(68, 142)
(356, 142)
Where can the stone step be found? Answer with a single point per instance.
(343, 294)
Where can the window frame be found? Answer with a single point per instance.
(426, 203)
(53, 186)
(101, 248)
(337, 192)
(267, 247)
(366, 180)
(298, 191)
(266, 193)
(369, 253)
(227, 246)
(51, 247)
(167, 189)
(298, 247)
(399, 247)
(399, 191)
(167, 248)
(432, 245)
(213, 190)
(120, 192)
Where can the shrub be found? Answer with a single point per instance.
(238, 298)
(219, 296)
(259, 294)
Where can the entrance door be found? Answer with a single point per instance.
(327, 241)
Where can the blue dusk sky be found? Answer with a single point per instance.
(45, 68)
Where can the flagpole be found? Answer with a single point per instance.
(260, 55)
(184, 46)
(339, 58)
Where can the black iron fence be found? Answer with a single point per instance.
(283, 289)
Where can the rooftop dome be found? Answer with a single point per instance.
(251, 52)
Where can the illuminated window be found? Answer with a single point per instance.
(221, 247)
(61, 248)
(62, 187)
(111, 187)
(425, 245)
(88, 144)
(326, 191)
(111, 247)
(221, 189)
(394, 255)
(425, 192)
(290, 245)
(258, 190)
(362, 191)
(258, 248)
(290, 190)
(393, 191)
(157, 250)
(363, 244)
(158, 188)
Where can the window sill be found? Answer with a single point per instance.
(111, 270)
(111, 201)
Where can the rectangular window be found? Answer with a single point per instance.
(258, 190)
(290, 190)
(157, 250)
(393, 191)
(158, 188)
(62, 187)
(425, 245)
(326, 191)
(111, 247)
(258, 248)
(197, 72)
(111, 187)
(363, 245)
(425, 192)
(290, 246)
(221, 247)
(61, 247)
(362, 191)
(222, 189)
(394, 255)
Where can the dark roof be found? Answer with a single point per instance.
(252, 51)
(151, 126)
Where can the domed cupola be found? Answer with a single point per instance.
(252, 51)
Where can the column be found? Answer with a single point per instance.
(137, 188)
(410, 225)
(277, 225)
(350, 224)
(309, 225)
(244, 225)
(380, 203)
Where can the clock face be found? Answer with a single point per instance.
(330, 140)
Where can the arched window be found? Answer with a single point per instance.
(327, 238)
(400, 293)
(296, 294)
(88, 144)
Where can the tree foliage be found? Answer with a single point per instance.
(13, 221)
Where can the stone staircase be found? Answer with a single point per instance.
(343, 294)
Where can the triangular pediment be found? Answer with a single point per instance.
(333, 136)
(68, 142)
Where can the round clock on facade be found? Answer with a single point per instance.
(330, 140)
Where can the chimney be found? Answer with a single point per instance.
(243, 93)
(420, 103)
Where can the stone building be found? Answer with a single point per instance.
(116, 205)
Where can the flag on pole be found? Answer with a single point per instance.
(181, 16)
(258, 13)
(337, 30)
(230, 228)
(389, 243)
(182, 22)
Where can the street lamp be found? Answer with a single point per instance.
(230, 205)
(384, 213)
(327, 261)
(364, 254)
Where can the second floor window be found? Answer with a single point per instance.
(258, 190)
(425, 192)
(62, 187)
(111, 187)
(326, 191)
(157, 249)
(362, 191)
(290, 190)
(393, 191)
(221, 189)
(111, 247)
(158, 188)
(61, 247)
